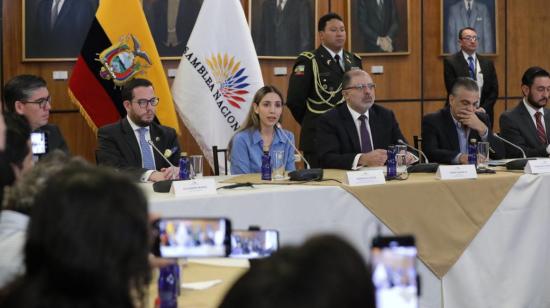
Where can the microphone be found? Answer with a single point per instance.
(516, 164)
(426, 167)
(307, 174)
(159, 152)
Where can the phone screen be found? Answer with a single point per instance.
(196, 237)
(38, 142)
(394, 272)
(255, 244)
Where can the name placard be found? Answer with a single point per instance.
(365, 177)
(537, 166)
(456, 172)
(196, 187)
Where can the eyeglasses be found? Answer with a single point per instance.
(41, 102)
(470, 38)
(142, 102)
(370, 86)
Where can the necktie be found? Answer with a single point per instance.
(469, 9)
(541, 133)
(366, 146)
(54, 13)
(337, 59)
(472, 67)
(146, 154)
(280, 6)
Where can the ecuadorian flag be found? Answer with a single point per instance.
(119, 34)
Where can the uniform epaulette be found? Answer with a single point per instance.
(308, 54)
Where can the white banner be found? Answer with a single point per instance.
(217, 76)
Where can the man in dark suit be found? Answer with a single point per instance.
(356, 134)
(446, 133)
(316, 82)
(466, 63)
(284, 28)
(60, 27)
(528, 124)
(379, 24)
(126, 144)
(28, 95)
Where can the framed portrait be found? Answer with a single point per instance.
(55, 30)
(477, 14)
(171, 23)
(282, 29)
(378, 27)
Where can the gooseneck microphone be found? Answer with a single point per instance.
(512, 144)
(516, 164)
(400, 141)
(159, 152)
(308, 174)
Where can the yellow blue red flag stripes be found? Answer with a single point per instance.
(118, 46)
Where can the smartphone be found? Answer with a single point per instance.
(253, 244)
(394, 272)
(191, 237)
(39, 143)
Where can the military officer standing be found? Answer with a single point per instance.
(316, 82)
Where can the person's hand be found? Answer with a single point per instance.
(170, 173)
(470, 119)
(481, 110)
(463, 159)
(156, 176)
(373, 158)
(410, 159)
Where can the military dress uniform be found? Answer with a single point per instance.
(315, 87)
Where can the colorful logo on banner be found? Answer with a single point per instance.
(231, 78)
(123, 60)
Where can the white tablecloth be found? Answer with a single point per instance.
(505, 266)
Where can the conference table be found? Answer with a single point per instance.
(481, 242)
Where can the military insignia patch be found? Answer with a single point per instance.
(123, 60)
(299, 70)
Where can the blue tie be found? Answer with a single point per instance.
(146, 154)
(472, 67)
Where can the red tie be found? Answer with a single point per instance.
(541, 133)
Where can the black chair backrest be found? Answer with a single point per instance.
(215, 152)
(417, 140)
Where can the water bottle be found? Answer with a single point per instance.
(391, 163)
(266, 166)
(472, 152)
(169, 286)
(184, 166)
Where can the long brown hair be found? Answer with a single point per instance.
(253, 119)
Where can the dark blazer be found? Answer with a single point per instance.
(456, 66)
(68, 34)
(440, 139)
(373, 23)
(118, 147)
(338, 139)
(518, 127)
(285, 33)
(302, 86)
(54, 138)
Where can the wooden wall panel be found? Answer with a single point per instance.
(521, 43)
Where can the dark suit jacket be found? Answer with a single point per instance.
(68, 34)
(372, 24)
(302, 86)
(517, 126)
(440, 139)
(285, 33)
(456, 66)
(118, 147)
(54, 138)
(338, 139)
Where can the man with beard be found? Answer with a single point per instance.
(356, 134)
(527, 125)
(126, 144)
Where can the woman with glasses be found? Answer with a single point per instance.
(262, 133)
